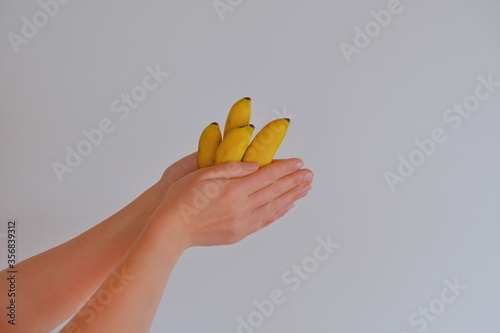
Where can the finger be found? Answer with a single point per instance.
(182, 167)
(269, 174)
(230, 170)
(280, 187)
(262, 223)
(271, 211)
(278, 215)
(189, 162)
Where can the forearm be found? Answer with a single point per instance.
(54, 284)
(127, 301)
(137, 282)
(135, 259)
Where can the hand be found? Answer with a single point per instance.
(176, 171)
(225, 203)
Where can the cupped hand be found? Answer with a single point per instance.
(225, 203)
(176, 171)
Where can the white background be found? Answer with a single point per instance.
(350, 122)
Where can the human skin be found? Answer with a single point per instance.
(63, 278)
(142, 243)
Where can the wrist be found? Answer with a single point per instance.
(171, 227)
(147, 202)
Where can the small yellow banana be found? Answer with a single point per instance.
(234, 145)
(239, 115)
(265, 144)
(210, 140)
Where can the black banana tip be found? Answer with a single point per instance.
(215, 123)
(252, 126)
(287, 119)
(247, 98)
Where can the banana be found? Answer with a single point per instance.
(239, 115)
(234, 145)
(265, 144)
(209, 141)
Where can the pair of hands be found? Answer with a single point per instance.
(225, 203)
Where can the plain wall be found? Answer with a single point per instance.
(354, 118)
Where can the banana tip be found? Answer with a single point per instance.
(287, 119)
(247, 98)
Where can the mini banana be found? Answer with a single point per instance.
(265, 144)
(210, 140)
(234, 145)
(239, 115)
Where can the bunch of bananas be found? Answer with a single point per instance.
(213, 149)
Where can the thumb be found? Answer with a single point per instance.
(231, 170)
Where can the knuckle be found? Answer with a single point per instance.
(231, 169)
(273, 208)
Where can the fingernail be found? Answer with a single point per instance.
(251, 166)
(299, 165)
(305, 189)
(308, 176)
